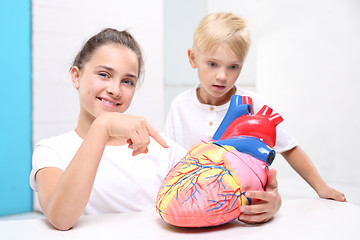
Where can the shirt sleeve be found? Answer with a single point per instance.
(173, 125)
(44, 156)
(169, 124)
(176, 154)
(284, 141)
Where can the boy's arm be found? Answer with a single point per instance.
(302, 164)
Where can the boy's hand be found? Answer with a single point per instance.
(268, 205)
(330, 193)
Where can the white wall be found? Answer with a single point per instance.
(180, 20)
(308, 67)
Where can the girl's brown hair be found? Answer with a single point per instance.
(109, 36)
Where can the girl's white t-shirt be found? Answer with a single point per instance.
(123, 183)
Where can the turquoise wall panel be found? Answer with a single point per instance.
(15, 107)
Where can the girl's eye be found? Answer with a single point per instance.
(104, 75)
(128, 82)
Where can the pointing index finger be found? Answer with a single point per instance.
(157, 137)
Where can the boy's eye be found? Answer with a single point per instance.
(233, 67)
(212, 64)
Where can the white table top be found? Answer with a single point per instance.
(297, 219)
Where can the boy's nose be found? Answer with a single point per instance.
(221, 75)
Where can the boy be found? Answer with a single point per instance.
(221, 43)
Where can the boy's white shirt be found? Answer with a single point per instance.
(189, 121)
(123, 183)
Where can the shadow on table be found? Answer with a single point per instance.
(194, 230)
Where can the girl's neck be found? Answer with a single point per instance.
(83, 125)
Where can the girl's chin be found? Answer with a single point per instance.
(119, 109)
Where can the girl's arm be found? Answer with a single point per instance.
(302, 164)
(63, 195)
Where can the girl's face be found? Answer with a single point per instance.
(107, 81)
(218, 70)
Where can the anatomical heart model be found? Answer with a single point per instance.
(207, 187)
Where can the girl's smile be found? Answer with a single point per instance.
(108, 102)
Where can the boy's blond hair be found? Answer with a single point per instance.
(222, 27)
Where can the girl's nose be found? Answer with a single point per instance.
(114, 91)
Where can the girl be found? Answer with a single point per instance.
(111, 162)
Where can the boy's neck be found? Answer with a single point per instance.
(215, 101)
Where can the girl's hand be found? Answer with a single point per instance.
(133, 130)
(268, 205)
(330, 193)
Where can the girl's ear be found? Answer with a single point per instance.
(75, 76)
(191, 57)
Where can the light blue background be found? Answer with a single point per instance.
(15, 107)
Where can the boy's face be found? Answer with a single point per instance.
(218, 70)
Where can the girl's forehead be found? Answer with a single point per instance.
(115, 56)
(112, 48)
(113, 52)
